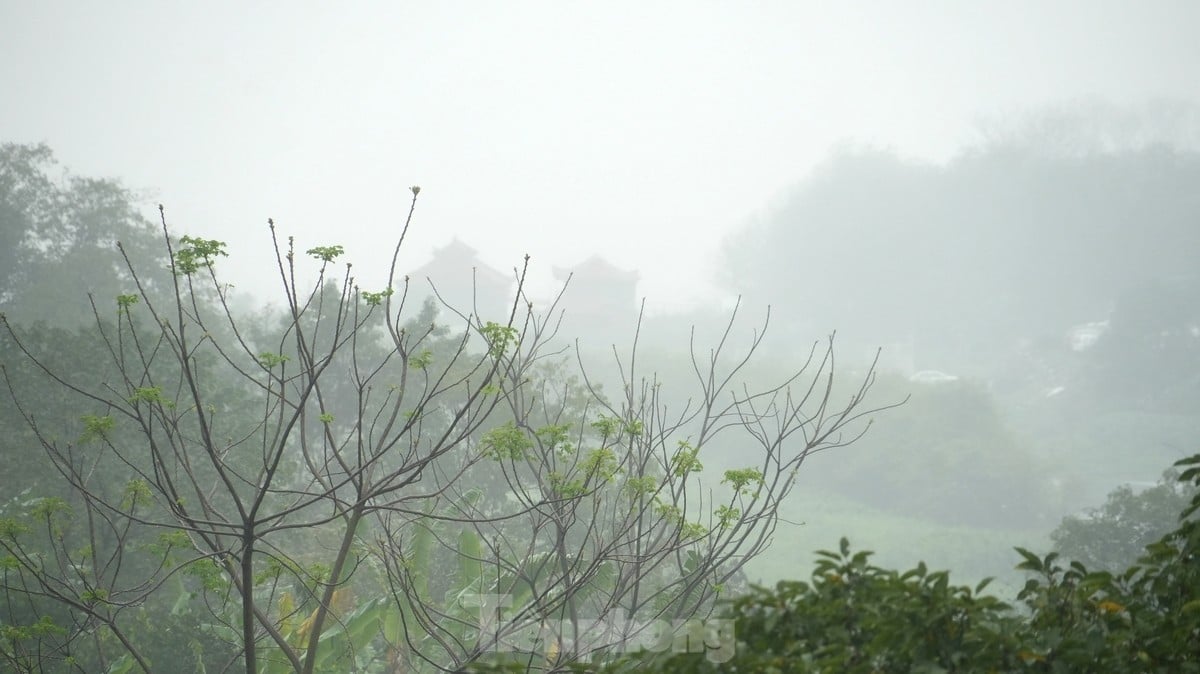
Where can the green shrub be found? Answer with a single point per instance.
(853, 616)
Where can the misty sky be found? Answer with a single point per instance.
(643, 131)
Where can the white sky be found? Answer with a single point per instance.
(642, 131)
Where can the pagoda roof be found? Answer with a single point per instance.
(456, 258)
(595, 267)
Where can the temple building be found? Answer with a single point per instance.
(463, 281)
(600, 304)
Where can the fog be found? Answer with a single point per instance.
(994, 204)
(637, 132)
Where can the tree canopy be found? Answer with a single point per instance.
(58, 235)
(349, 485)
(1026, 235)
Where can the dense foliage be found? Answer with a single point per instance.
(853, 616)
(947, 455)
(1035, 234)
(59, 231)
(350, 484)
(1113, 536)
(399, 473)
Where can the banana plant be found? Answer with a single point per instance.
(422, 619)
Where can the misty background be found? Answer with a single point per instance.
(1000, 196)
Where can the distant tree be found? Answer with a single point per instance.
(356, 488)
(1112, 537)
(1014, 239)
(1149, 358)
(58, 233)
(948, 455)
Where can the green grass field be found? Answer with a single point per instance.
(817, 521)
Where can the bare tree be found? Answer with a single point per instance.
(361, 487)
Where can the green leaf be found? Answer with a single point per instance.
(740, 479)
(1032, 562)
(420, 561)
(194, 253)
(270, 360)
(506, 442)
(325, 253)
(122, 665)
(96, 427)
(498, 337)
(470, 560)
(137, 492)
(349, 637)
(124, 302)
(150, 394)
(375, 299)
(685, 460)
(421, 360)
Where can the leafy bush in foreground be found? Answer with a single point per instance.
(855, 617)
